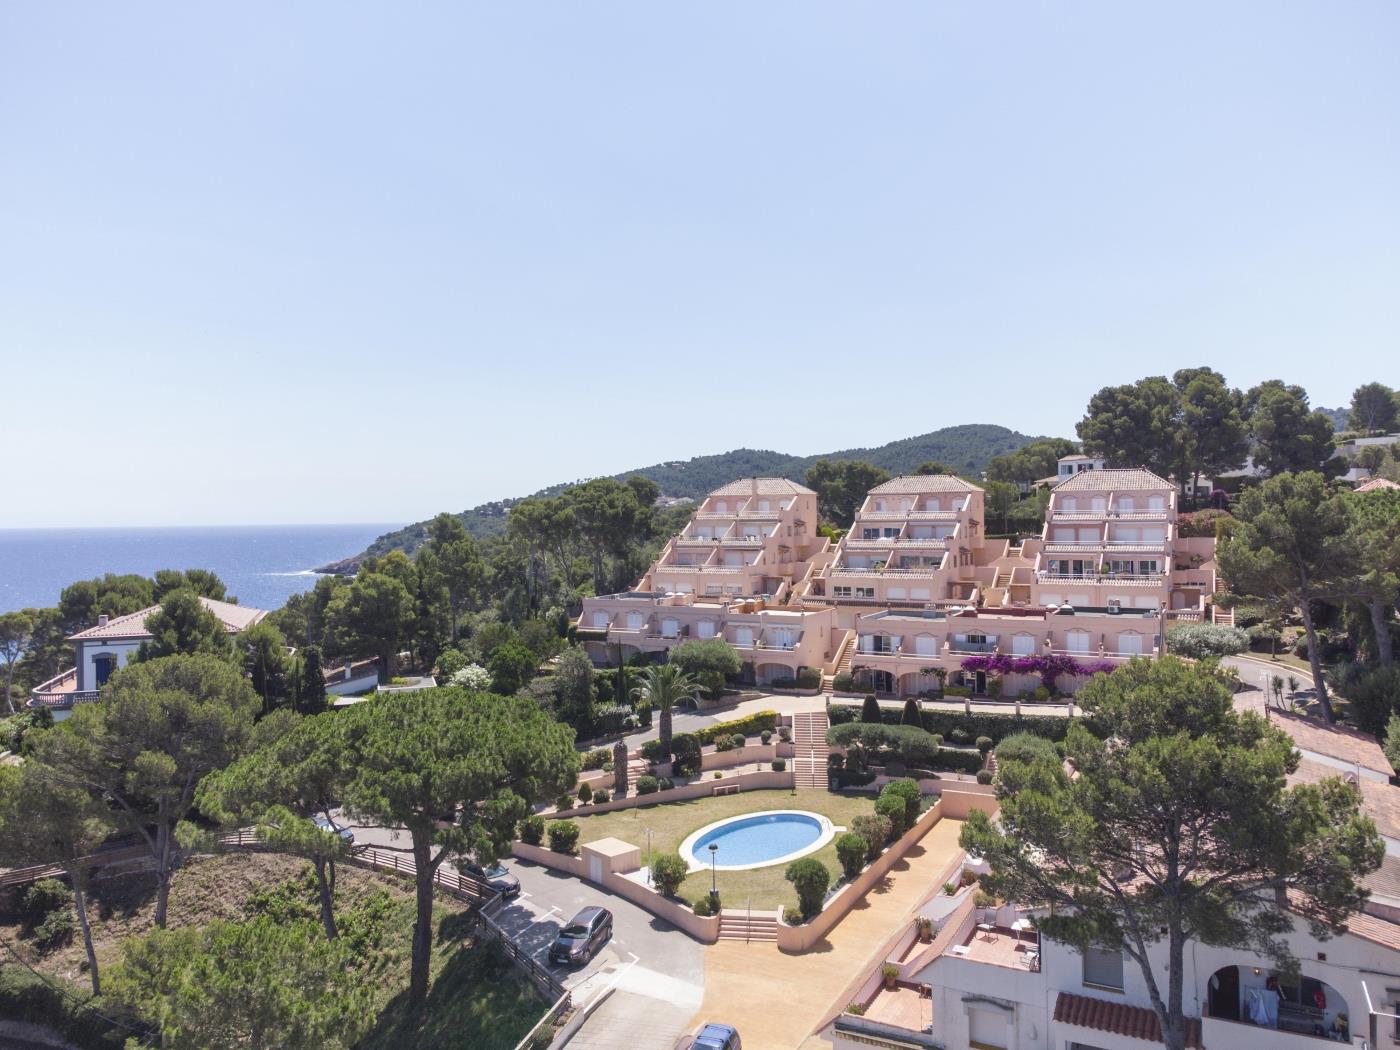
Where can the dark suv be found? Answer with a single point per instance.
(717, 1037)
(581, 938)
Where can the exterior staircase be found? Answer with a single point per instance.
(1223, 616)
(741, 924)
(809, 764)
(843, 662)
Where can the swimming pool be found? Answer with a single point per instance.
(756, 840)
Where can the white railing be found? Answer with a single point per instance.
(1055, 546)
(908, 515)
(1104, 580)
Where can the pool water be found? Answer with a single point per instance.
(761, 838)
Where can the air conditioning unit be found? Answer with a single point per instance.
(1114, 606)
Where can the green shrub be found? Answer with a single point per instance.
(870, 710)
(652, 751)
(685, 754)
(1040, 693)
(984, 744)
(41, 900)
(851, 849)
(31, 999)
(891, 807)
(909, 792)
(563, 836)
(984, 776)
(647, 784)
(1199, 640)
(668, 871)
(585, 793)
(766, 737)
(858, 1009)
(809, 678)
(960, 735)
(910, 716)
(840, 714)
(782, 683)
(703, 906)
(56, 930)
(738, 740)
(597, 758)
(665, 784)
(1374, 693)
(844, 682)
(602, 795)
(779, 765)
(564, 802)
(532, 830)
(957, 690)
(1026, 747)
(724, 743)
(875, 830)
(792, 916)
(747, 726)
(810, 879)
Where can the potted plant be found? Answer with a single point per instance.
(890, 972)
(924, 925)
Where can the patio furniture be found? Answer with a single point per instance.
(960, 949)
(1033, 959)
(988, 931)
(1018, 926)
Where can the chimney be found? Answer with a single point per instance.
(101, 619)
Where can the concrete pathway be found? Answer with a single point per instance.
(776, 1000)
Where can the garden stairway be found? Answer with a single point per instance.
(741, 924)
(809, 764)
(843, 662)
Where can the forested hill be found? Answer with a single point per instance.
(964, 448)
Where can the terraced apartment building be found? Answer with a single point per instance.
(916, 590)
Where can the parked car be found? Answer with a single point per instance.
(581, 938)
(498, 877)
(717, 1037)
(326, 824)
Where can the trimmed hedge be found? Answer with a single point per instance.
(996, 726)
(1200, 640)
(750, 726)
(563, 836)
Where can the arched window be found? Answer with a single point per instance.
(1077, 641)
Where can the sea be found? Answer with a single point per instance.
(263, 565)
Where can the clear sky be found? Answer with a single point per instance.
(313, 262)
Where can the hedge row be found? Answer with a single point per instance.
(962, 728)
(749, 726)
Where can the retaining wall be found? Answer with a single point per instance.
(702, 928)
(761, 780)
(956, 805)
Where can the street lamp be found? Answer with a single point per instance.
(714, 886)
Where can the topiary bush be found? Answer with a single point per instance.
(984, 776)
(875, 830)
(602, 795)
(1026, 747)
(809, 678)
(909, 792)
(891, 807)
(844, 682)
(870, 710)
(984, 744)
(585, 793)
(766, 737)
(810, 878)
(647, 784)
(737, 741)
(563, 836)
(668, 871)
(851, 850)
(779, 765)
(532, 830)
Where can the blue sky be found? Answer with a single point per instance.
(361, 262)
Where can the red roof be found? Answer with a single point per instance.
(1136, 1022)
(1375, 484)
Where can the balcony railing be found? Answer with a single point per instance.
(972, 647)
(908, 515)
(1105, 579)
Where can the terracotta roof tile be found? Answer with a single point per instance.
(235, 618)
(919, 483)
(1376, 484)
(1113, 480)
(763, 487)
(1380, 802)
(1136, 1022)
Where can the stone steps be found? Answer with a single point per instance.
(739, 925)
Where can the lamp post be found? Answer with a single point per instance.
(648, 856)
(714, 886)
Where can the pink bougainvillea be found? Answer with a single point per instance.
(1050, 668)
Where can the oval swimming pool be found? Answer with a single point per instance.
(758, 839)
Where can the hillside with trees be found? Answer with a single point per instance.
(965, 449)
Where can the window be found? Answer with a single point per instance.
(707, 628)
(841, 592)
(865, 592)
(986, 1029)
(891, 532)
(869, 533)
(1022, 645)
(1103, 969)
(600, 619)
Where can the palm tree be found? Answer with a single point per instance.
(663, 685)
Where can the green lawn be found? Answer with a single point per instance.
(671, 822)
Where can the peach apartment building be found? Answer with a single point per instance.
(729, 574)
(915, 588)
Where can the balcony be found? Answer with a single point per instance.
(61, 691)
(968, 648)
(909, 515)
(1105, 579)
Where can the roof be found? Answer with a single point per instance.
(1376, 485)
(917, 484)
(1385, 880)
(1078, 457)
(1136, 1022)
(763, 487)
(1339, 742)
(235, 618)
(1113, 480)
(1380, 802)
